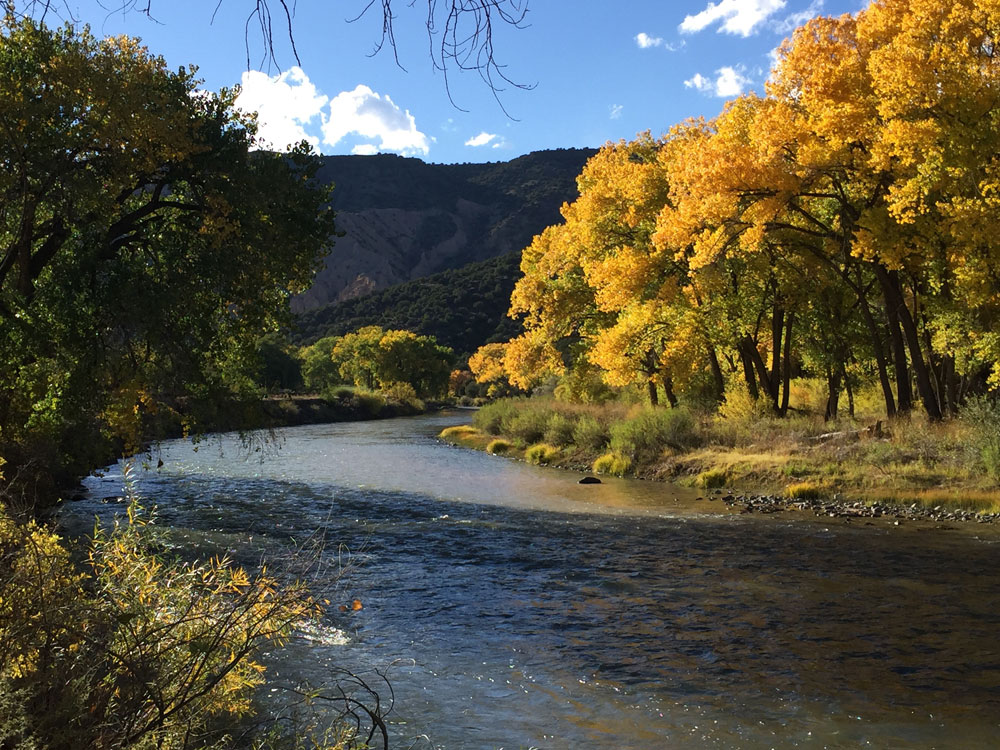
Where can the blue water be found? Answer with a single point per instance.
(512, 607)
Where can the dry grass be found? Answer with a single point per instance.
(745, 448)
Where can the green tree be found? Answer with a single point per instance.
(143, 247)
(319, 371)
(372, 357)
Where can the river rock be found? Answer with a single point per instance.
(590, 480)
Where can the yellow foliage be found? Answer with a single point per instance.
(135, 647)
(487, 363)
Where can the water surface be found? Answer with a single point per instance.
(516, 608)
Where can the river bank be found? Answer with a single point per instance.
(905, 471)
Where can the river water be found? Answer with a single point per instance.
(516, 608)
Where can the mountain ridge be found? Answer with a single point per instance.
(404, 219)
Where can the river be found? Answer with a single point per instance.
(515, 608)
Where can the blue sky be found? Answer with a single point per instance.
(600, 70)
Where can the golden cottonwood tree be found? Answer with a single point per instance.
(854, 202)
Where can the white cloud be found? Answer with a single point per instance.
(645, 41)
(699, 83)
(734, 16)
(371, 115)
(284, 104)
(615, 111)
(365, 149)
(482, 139)
(788, 24)
(729, 81)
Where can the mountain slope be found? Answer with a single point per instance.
(404, 219)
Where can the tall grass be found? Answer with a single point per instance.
(644, 436)
(745, 445)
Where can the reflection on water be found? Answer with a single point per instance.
(521, 609)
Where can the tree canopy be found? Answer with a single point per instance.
(143, 247)
(373, 357)
(840, 223)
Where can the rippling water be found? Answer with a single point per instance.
(520, 609)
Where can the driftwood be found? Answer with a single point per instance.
(874, 431)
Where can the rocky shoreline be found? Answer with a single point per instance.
(838, 508)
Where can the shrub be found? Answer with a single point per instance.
(495, 418)
(804, 491)
(559, 430)
(711, 479)
(338, 393)
(528, 426)
(458, 432)
(403, 393)
(983, 416)
(368, 403)
(589, 434)
(644, 436)
(498, 447)
(104, 652)
(542, 454)
(614, 464)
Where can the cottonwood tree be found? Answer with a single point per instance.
(143, 247)
(854, 202)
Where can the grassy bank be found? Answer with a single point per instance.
(955, 464)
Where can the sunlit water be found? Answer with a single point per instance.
(516, 608)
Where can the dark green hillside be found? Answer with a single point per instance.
(463, 308)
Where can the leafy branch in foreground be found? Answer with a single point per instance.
(138, 649)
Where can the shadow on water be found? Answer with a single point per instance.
(643, 625)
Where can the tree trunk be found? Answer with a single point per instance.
(750, 349)
(786, 376)
(668, 389)
(654, 399)
(717, 379)
(904, 394)
(880, 360)
(920, 368)
(748, 371)
(849, 389)
(833, 399)
(777, 326)
(951, 385)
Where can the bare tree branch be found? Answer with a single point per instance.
(460, 33)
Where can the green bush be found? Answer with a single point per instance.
(495, 418)
(542, 454)
(90, 656)
(644, 436)
(458, 432)
(614, 464)
(559, 430)
(529, 425)
(368, 403)
(338, 393)
(983, 416)
(403, 393)
(589, 434)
